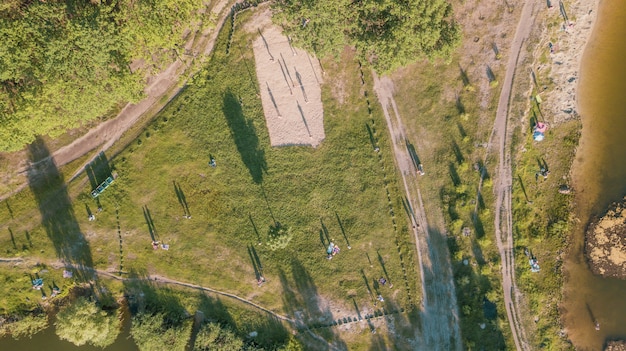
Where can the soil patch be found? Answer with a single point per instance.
(615, 346)
(605, 242)
(289, 84)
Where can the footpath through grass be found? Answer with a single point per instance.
(333, 193)
(448, 126)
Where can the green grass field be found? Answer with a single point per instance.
(336, 192)
(448, 126)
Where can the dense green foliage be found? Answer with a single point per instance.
(453, 160)
(158, 332)
(27, 326)
(65, 63)
(213, 336)
(253, 187)
(84, 322)
(388, 33)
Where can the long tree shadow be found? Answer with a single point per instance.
(150, 223)
(256, 231)
(343, 231)
(458, 155)
(182, 200)
(256, 262)
(454, 175)
(57, 213)
(246, 139)
(371, 135)
(312, 316)
(479, 324)
(414, 158)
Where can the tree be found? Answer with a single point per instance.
(83, 322)
(278, 236)
(27, 326)
(213, 336)
(387, 33)
(67, 63)
(156, 332)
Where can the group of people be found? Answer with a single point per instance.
(155, 245)
(332, 250)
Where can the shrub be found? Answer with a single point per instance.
(83, 322)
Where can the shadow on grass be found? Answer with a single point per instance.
(454, 175)
(182, 200)
(479, 228)
(480, 327)
(270, 332)
(401, 326)
(246, 139)
(371, 135)
(145, 296)
(98, 170)
(311, 314)
(57, 213)
(157, 315)
(256, 262)
(343, 231)
(150, 223)
(414, 158)
(458, 154)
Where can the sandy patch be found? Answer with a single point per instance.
(289, 82)
(568, 48)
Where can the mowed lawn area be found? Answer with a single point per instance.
(335, 192)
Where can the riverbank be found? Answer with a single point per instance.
(566, 48)
(597, 173)
(543, 216)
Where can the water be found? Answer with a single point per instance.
(600, 178)
(48, 341)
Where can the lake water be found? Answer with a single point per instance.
(48, 341)
(599, 177)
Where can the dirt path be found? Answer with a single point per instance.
(159, 279)
(439, 310)
(162, 85)
(503, 222)
(106, 134)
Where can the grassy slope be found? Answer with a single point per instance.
(448, 126)
(299, 187)
(541, 214)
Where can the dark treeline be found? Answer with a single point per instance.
(67, 62)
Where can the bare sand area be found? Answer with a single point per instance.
(568, 46)
(289, 83)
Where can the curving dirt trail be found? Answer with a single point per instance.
(164, 84)
(439, 311)
(503, 222)
(159, 279)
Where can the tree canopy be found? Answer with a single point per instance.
(213, 336)
(159, 332)
(65, 63)
(387, 33)
(83, 322)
